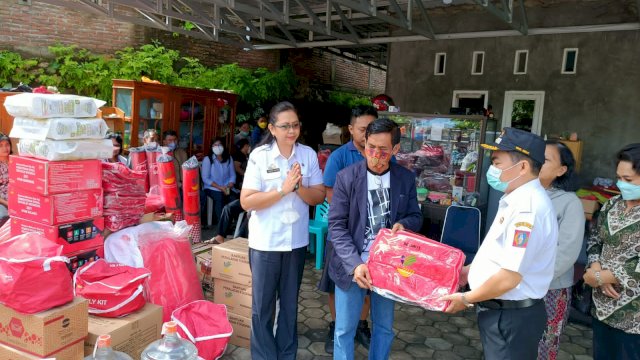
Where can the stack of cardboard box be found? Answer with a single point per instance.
(57, 333)
(62, 200)
(228, 267)
(130, 334)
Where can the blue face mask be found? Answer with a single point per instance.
(629, 191)
(493, 178)
(172, 146)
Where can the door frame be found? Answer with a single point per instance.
(537, 96)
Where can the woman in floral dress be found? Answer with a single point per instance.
(614, 266)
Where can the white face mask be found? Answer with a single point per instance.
(217, 149)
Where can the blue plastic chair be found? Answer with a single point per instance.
(319, 227)
(462, 230)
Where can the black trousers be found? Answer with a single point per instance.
(229, 212)
(512, 334)
(275, 275)
(610, 343)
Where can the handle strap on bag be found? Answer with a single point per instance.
(133, 296)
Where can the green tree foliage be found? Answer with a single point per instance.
(78, 71)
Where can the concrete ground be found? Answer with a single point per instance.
(420, 334)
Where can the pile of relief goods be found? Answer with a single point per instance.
(57, 299)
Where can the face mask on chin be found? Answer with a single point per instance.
(262, 125)
(172, 146)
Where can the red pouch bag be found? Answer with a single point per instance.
(206, 325)
(113, 289)
(410, 268)
(33, 274)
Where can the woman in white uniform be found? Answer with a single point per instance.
(281, 181)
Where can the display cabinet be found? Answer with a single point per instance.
(197, 115)
(445, 154)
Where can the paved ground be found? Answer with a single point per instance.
(420, 334)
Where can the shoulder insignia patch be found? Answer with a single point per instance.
(521, 239)
(524, 224)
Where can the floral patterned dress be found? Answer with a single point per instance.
(4, 180)
(615, 243)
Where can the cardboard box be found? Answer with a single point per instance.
(230, 261)
(203, 263)
(73, 237)
(54, 177)
(55, 209)
(241, 330)
(80, 258)
(236, 297)
(74, 352)
(45, 333)
(130, 334)
(590, 207)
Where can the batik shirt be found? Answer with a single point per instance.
(4, 180)
(615, 243)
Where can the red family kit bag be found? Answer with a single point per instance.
(33, 274)
(113, 289)
(206, 325)
(413, 269)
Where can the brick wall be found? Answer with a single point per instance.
(324, 68)
(30, 29)
(213, 54)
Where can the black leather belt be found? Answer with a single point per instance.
(497, 304)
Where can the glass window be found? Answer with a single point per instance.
(521, 60)
(569, 61)
(441, 63)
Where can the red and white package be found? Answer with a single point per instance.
(206, 325)
(124, 195)
(33, 274)
(413, 269)
(113, 289)
(191, 197)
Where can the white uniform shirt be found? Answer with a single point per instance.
(266, 171)
(523, 238)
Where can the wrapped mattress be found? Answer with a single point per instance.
(410, 268)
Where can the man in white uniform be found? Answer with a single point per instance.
(514, 267)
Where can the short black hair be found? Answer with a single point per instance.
(630, 153)
(517, 156)
(169, 133)
(568, 181)
(384, 125)
(118, 140)
(242, 143)
(362, 110)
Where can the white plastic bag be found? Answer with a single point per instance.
(59, 128)
(51, 105)
(60, 150)
(122, 246)
(332, 134)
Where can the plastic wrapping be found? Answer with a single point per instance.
(59, 128)
(410, 268)
(33, 105)
(33, 274)
(58, 150)
(169, 185)
(113, 289)
(165, 250)
(323, 156)
(206, 325)
(191, 197)
(152, 151)
(124, 196)
(138, 162)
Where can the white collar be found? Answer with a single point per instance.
(274, 151)
(521, 193)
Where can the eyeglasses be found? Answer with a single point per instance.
(287, 127)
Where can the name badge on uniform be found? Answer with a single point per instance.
(273, 169)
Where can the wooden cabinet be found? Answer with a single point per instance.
(198, 116)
